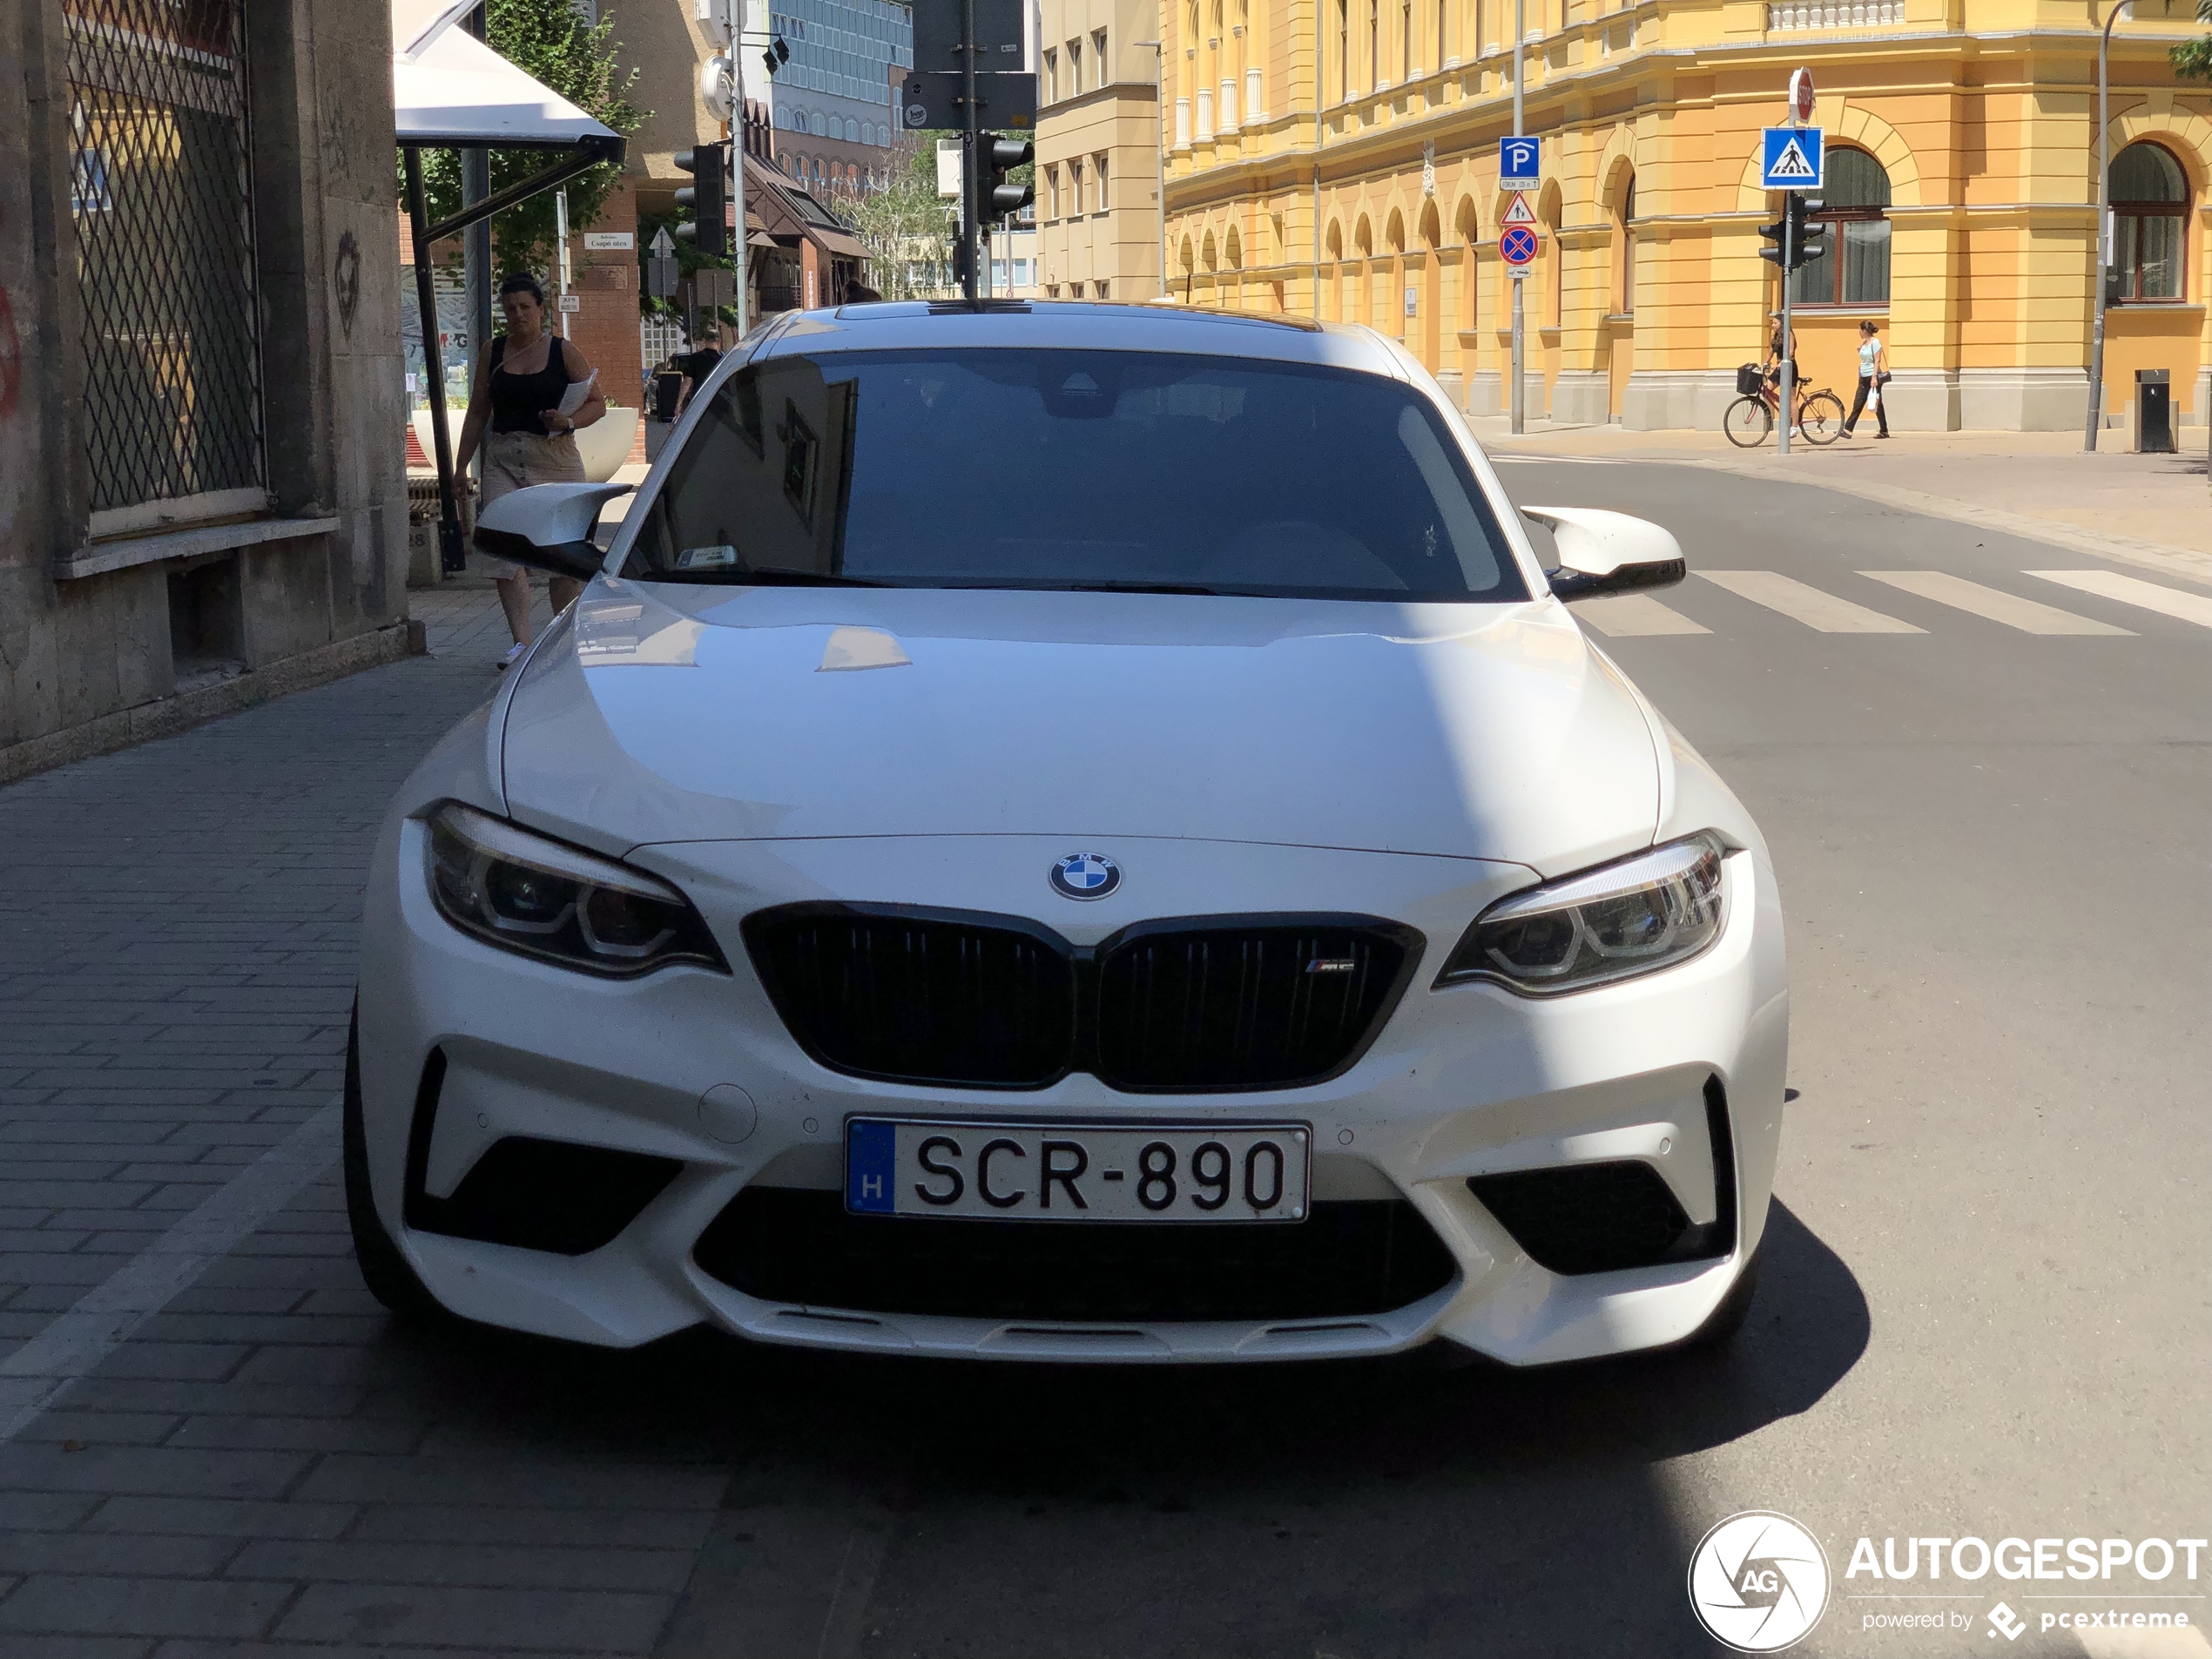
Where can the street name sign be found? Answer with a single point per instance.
(1518, 245)
(1791, 159)
(1519, 163)
(1518, 211)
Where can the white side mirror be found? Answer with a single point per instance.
(548, 527)
(1602, 552)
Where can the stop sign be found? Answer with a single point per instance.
(1801, 95)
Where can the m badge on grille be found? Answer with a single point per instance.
(1085, 875)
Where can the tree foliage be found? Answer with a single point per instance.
(907, 226)
(552, 42)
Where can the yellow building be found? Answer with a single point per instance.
(1961, 189)
(1097, 208)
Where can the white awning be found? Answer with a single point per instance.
(450, 89)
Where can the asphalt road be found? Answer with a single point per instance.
(1985, 1308)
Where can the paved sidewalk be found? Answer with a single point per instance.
(2151, 510)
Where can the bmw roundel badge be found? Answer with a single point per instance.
(1085, 875)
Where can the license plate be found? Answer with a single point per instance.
(1076, 1171)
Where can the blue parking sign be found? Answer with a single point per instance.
(1519, 163)
(1792, 158)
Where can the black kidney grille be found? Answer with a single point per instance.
(1241, 1007)
(989, 1002)
(918, 999)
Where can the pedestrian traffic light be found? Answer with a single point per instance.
(1001, 156)
(1795, 244)
(705, 200)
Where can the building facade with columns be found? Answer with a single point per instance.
(1097, 161)
(1339, 158)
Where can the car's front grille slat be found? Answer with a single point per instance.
(976, 1000)
(1348, 1258)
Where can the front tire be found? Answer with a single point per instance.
(1722, 1325)
(1747, 422)
(390, 1278)
(1821, 419)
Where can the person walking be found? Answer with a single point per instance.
(1873, 375)
(518, 394)
(1778, 351)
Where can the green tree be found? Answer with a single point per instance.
(2193, 59)
(552, 42)
(907, 226)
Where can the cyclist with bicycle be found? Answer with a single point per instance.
(1818, 417)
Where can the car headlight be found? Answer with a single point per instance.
(539, 898)
(1637, 915)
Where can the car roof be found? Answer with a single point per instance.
(910, 324)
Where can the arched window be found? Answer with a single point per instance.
(1628, 246)
(1853, 269)
(2150, 210)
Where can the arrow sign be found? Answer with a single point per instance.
(1518, 211)
(1791, 159)
(661, 246)
(1518, 245)
(1519, 163)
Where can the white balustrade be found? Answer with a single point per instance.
(1205, 115)
(1255, 98)
(1793, 14)
(1183, 124)
(1228, 106)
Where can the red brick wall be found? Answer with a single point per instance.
(605, 328)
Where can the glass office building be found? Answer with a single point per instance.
(837, 83)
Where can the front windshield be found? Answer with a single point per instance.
(1075, 469)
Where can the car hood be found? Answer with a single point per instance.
(664, 713)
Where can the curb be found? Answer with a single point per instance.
(165, 717)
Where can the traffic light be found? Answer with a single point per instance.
(1001, 156)
(706, 201)
(1796, 245)
(1811, 240)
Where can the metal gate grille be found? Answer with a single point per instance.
(165, 239)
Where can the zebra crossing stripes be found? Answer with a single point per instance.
(1636, 615)
(2132, 590)
(1816, 609)
(1992, 603)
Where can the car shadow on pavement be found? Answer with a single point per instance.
(1348, 1509)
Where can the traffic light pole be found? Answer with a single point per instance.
(971, 156)
(1788, 379)
(1519, 272)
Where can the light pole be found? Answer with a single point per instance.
(1160, 150)
(1519, 272)
(2104, 235)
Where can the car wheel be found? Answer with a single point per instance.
(1720, 1328)
(384, 1270)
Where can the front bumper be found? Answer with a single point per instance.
(1681, 1072)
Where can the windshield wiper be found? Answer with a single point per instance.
(727, 578)
(1141, 587)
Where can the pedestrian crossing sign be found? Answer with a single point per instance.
(1518, 211)
(1792, 158)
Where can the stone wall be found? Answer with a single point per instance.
(93, 627)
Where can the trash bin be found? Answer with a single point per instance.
(2153, 412)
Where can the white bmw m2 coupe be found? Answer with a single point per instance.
(1070, 832)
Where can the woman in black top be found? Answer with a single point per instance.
(518, 394)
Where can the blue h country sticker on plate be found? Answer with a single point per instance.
(871, 1153)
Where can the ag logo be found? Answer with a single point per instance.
(1758, 1582)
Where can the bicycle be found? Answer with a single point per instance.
(1748, 420)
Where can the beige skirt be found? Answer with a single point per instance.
(516, 460)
